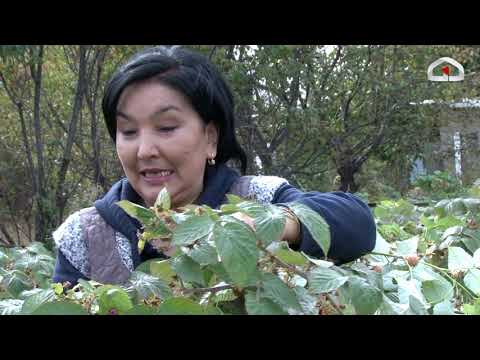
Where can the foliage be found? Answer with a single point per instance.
(426, 262)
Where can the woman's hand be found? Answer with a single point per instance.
(291, 231)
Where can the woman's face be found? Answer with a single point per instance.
(162, 141)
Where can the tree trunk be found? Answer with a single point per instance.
(41, 215)
(61, 196)
(347, 178)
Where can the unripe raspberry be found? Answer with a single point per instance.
(412, 260)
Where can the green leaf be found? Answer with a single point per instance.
(60, 308)
(147, 286)
(365, 298)
(155, 231)
(261, 306)
(40, 249)
(203, 253)
(472, 280)
(407, 247)
(306, 300)
(142, 309)
(323, 280)
(291, 257)
(188, 270)
(459, 259)
(269, 224)
(444, 308)
(10, 306)
(57, 288)
(389, 307)
(180, 306)
(219, 270)
(33, 302)
(315, 224)
(236, 245)
(15, 282)
(163, 200)
(437, 291)
(113, 298)
(472, 309)
(234, 199)
(192, 229)
(144, 215)
(162, 269)
(277, 291)
(476, 258)
(408, 289)
(471, 239)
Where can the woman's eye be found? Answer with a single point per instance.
(167, 128)
(128, 132)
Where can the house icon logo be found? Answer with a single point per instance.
(446, 70)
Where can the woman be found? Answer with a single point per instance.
(171, 116)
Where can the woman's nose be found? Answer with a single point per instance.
(147, 148)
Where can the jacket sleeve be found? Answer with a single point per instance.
(65, 271)
(352, 226)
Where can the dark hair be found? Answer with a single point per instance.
(195, 77)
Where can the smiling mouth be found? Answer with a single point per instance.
(152, 174)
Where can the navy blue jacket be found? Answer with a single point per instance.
(352, 227)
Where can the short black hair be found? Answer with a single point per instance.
(193, 75)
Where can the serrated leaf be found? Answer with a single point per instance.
(323, 280)
(192, 229)
(407, 247)
(15, 282)
(316, 225)
(147, 286)
(444, 308)
(163, 202)
(234, 199)
(389, 307)
(436, 291)
(476, 258)
(291, 257)
(472, 280)
(472, 309)
(410, 288)
(277, 291)
(188, 270)
(203, 253)
(162, 269)
(10, 306)
(236, 245)
(459, 259)
(318, 262)
(144, 215)
(269, 224)
(365, 298)
(261, 305)
(33, 302)
(306, 300)
(60, 308)
(114, 299)
(142, 309)
(180, 306)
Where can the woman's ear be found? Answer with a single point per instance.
(212, 136)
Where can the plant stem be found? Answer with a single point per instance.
(211, 289)
(334, 303)
(445, 272)
(282, 263)
(383, 254)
